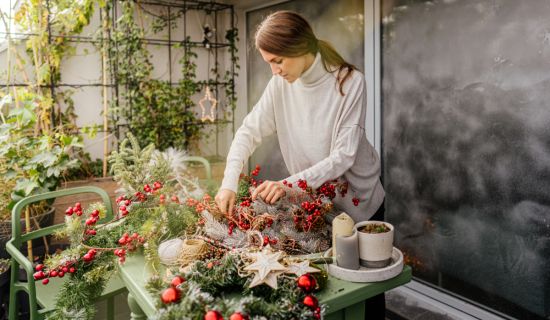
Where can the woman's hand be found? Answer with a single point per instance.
(270, 191)
(225, 199)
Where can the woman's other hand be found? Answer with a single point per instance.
(225, 199)
(270, 191)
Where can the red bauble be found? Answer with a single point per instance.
(238, 316)
(177, 281)
(170, 295)
(213, 315)
(311, 301)
(307, 282)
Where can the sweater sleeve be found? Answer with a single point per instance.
(259, 123)
(344, 146)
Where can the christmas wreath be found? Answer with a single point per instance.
(216, 289)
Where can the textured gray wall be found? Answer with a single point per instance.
(466, 146)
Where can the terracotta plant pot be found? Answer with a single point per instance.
(375, 249)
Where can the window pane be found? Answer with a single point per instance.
(466, 146)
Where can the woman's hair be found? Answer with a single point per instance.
(288, 34)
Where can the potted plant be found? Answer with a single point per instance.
(33, 161)
(375, 243)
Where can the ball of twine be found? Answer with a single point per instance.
(169, 251)
(191, 250)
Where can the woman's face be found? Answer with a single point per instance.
(290, 68)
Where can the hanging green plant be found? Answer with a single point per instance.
(155, 111)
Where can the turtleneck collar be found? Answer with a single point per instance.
(314, 73)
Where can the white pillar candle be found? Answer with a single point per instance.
(348, 251)
(342, 225)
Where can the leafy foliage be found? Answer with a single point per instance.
(155, 111)
(35, 161)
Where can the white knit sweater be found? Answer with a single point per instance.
(321, 134)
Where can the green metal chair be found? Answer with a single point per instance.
(208, 182)
(43, 296)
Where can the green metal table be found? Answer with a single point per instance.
(344, 299)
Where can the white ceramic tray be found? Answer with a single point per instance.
(364, 274)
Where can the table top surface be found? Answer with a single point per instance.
(338, 294)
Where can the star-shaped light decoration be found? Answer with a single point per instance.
(266, 267)
(300, 268)
(213, 102)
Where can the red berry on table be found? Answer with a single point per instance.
(46, 281)
(39, 267)
(311, 301)
(72, 270)
(61, 274)
(213, 315)
(65, 269)
(53, 273)
(170, 295)
(38, 275)
(177, 281)
(69, 211)
(78, 205)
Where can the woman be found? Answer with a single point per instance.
(316, 103)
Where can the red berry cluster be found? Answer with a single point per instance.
(328, 189)
(256, 170)
(90, 222)
(254, 173)
(94, 217)
(123, 203)
(156, 186)
(302, 184)
(42, 274)
(310, 216)
(128, 243)
(246, 202)
(77, 209)
(90, 255)
(308, 283)
(286, 183)
(267, 241)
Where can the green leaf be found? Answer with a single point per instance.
(24, 114)
(27, 186)
(46, 159)
(6, 100)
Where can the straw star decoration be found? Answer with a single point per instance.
(301, 268)
(266, 267)
(213, 102)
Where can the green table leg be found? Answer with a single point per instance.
(356, 311)
(111, 308)
(136, 312)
